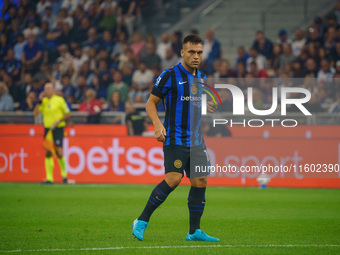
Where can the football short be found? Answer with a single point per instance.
(58, 135)
(190, 160)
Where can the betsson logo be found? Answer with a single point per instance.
(133, 160)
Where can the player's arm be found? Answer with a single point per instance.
(37, 107)
(151, 109)
(67, 114)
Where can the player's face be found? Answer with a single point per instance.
(49, 90)
(192, 54)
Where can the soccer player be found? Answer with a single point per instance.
(55, 111)
(182, 138)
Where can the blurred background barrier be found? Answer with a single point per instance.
(105, 154)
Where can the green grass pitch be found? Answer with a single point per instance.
(96, 219)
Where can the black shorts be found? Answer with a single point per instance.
(58, 135)
(193, 161)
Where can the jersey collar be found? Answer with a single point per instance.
(185, 70)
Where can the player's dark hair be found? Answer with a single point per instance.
(194, 39)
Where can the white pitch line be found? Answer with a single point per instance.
(179, 247)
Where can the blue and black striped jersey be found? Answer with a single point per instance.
(182, 99)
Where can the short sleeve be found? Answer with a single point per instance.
(64, 106)
(162, 85)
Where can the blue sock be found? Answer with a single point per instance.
(157, 197)
(196, 203)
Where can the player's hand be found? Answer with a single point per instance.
(212, 106)
(42, 95)
(54, 125)
(160, 133)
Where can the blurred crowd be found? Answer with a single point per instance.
(98, 60)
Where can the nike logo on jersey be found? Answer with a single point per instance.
(182, 82)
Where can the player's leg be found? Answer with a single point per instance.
(160, 193)
(157, 197)
(58, 136)
(196, 197)
(49, 166)
(196, 202)
(173, 176)
(49, 163)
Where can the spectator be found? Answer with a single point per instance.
(70, 5)
(311, 68)
(319, 26)
(30, 103)
(40, 8)
(211, 50)
(141, 83)
(4, 47)
(163, 45)
(326, 73)
(81, 87)
(92, 40)
(276, 56)
(335, 106)
(68, 89)
(32, 28)
(32, 54)
(66, 36)
(283, 37)
(108, 22)
(332, 21)
(241, 70)
(49, 17)
(137, 44)
(118, 47)
(257, 72)
(12, 66)
(151, 59)
(299, 42)
(314, 38)
(224, 70)
(67, 63)
(115, 104)
(19, 47)
(262, 45)
(286, 56)
(176, 42)
(171, 59)
(6, 100)
(258, 58)
(118, 85)
(337, 11)
(81, 36)
(243, 56)
(14, 32)
(92, 106)
(107, 42)
(127, 15)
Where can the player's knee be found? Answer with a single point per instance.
(199, 182)
(48, 154)
(173, 180)
(59, 152)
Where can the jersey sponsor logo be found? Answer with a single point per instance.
(180, 83)
(194, 89)
(178, 163)
(158, 80)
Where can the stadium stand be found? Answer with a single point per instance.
(107, 46)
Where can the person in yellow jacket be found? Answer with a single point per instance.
(55, 111)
